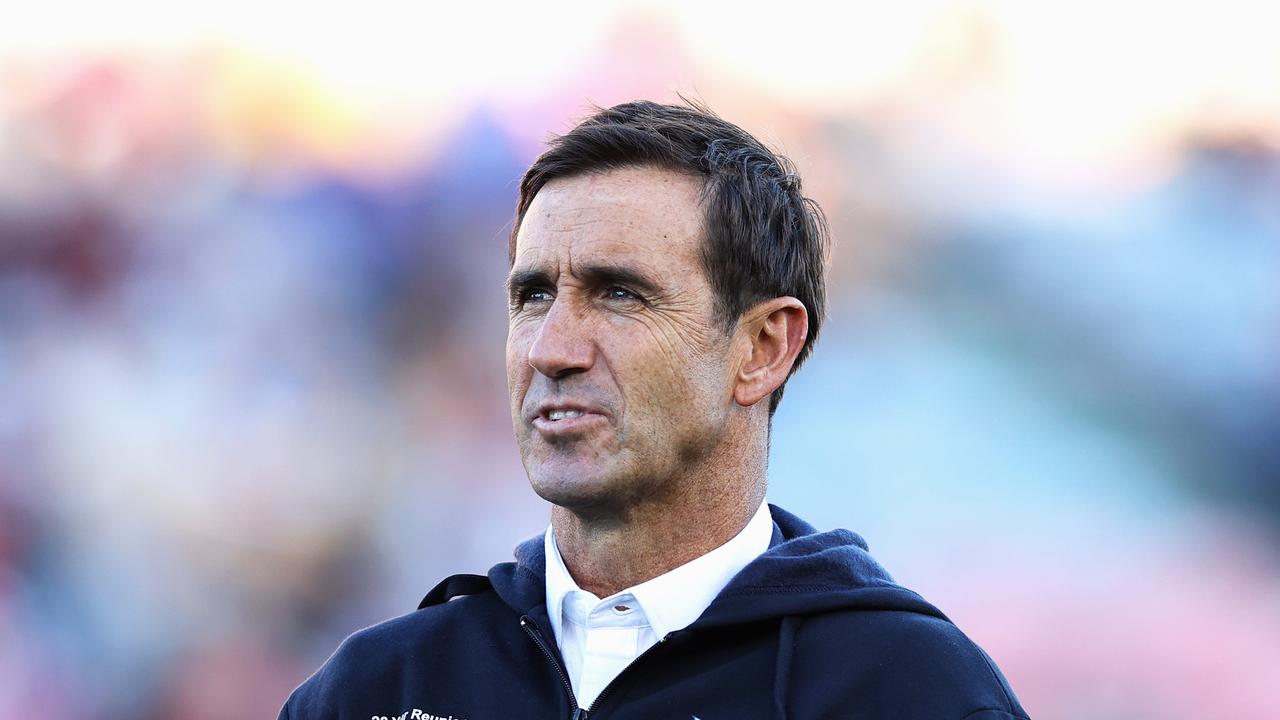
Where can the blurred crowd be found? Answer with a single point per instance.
(252, 395)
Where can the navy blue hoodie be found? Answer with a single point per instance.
(813, 628)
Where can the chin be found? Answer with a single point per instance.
(573, 492)
(583, 491)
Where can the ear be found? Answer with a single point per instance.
(775, 331)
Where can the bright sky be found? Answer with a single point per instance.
(1099, 77)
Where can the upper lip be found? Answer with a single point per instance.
(544, 408)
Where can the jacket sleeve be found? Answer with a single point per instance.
(991, 714)
(309, 702)
(895, 664)
(319, 696)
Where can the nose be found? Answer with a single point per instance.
(564, 344)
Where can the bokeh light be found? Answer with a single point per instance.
(251, 325)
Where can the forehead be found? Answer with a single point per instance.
(648, 215)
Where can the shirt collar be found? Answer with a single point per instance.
(559, 583)
(675, 599)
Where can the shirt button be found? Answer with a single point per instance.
(622, 609)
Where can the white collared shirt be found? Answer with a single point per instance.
(599, 638)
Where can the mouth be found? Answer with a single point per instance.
(554, 420)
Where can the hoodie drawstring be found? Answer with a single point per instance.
(782, 670)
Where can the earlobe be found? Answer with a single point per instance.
(776, 330)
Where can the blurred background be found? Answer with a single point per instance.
(252, 394)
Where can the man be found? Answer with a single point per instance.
(666, 279)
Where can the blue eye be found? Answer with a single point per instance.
(531, 295)
(620, 293)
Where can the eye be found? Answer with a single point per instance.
(533, 295)
(617, 292)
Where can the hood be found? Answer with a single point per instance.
(803, 572)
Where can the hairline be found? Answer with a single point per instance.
(704, 194)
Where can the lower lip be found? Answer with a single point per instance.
(569, 425)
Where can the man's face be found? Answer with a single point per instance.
(619, 373)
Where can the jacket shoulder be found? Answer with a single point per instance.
(899, 659)
(377, 660)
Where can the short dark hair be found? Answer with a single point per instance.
(762, 237)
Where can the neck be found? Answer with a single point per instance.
(609, 552)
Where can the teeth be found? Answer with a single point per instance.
(562, 414)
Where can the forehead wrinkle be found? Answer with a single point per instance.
(616, 189)
(587, 256)
(610, 214)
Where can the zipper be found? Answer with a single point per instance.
(614, 682)
(580, 713)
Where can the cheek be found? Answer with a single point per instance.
(518, 369)
(676, 381)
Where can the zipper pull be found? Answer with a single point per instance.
(580, 714)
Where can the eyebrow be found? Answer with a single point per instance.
(520, 280)
(596, 274)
